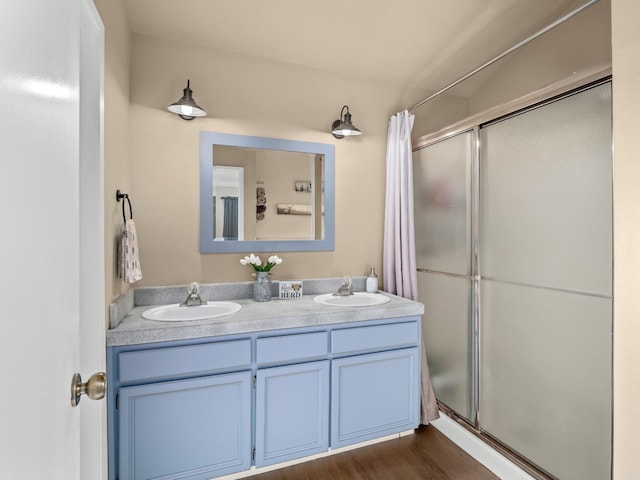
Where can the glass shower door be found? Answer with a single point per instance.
(546, 284)
(443, 226)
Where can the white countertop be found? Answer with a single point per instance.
(254, 317)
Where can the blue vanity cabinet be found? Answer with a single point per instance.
(374, 394)
(182, 411)
(292, 400)
(206, 407)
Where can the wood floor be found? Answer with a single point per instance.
(427, 455)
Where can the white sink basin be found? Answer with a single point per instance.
(176, 313)
(358, 299)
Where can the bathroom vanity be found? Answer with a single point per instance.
(271, 383)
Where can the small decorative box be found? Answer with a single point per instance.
(290, 289)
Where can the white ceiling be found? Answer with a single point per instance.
(424, 43)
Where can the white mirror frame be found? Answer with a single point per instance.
(207, 243)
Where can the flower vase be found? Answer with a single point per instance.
(262, 287)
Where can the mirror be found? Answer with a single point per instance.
(265, 195)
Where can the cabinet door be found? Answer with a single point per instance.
(292, 412)
(187, 429)
(374, 395)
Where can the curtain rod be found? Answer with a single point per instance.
(506, 52)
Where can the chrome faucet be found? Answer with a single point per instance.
(345, 289)
(193, 299)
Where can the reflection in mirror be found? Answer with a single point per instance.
(228, 203)
(262, 194)
(270, 174)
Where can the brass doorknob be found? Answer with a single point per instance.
(94, 388)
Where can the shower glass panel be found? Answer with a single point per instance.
(447, 337)
(546, 377)
(442, 175)
(442, 191)
(546, 193)
(546, 284)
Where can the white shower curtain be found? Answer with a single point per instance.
(399, 254)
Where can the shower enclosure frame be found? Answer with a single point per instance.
(473, 125)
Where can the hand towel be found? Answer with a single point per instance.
(130, 270)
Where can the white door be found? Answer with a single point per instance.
(51, 249)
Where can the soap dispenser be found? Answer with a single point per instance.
(372, 281)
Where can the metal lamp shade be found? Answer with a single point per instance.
(186, 107)
(343, 127)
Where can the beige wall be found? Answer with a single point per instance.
(117, 165)
(438, 113)
(580, 44)
(247, 95)
(626, 214)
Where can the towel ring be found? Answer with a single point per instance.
(120, 196)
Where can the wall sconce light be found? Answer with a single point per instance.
(343, 127)
(186, 107)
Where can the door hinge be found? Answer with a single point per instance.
(253, 454)
(117, 402)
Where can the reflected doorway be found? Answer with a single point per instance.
(228, 204)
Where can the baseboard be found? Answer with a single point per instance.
(331, 451)
(498, 464)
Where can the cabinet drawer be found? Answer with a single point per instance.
(379, 337)
(301, 347)
(180, 361)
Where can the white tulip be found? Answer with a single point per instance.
(256, 262)
(275, 260)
